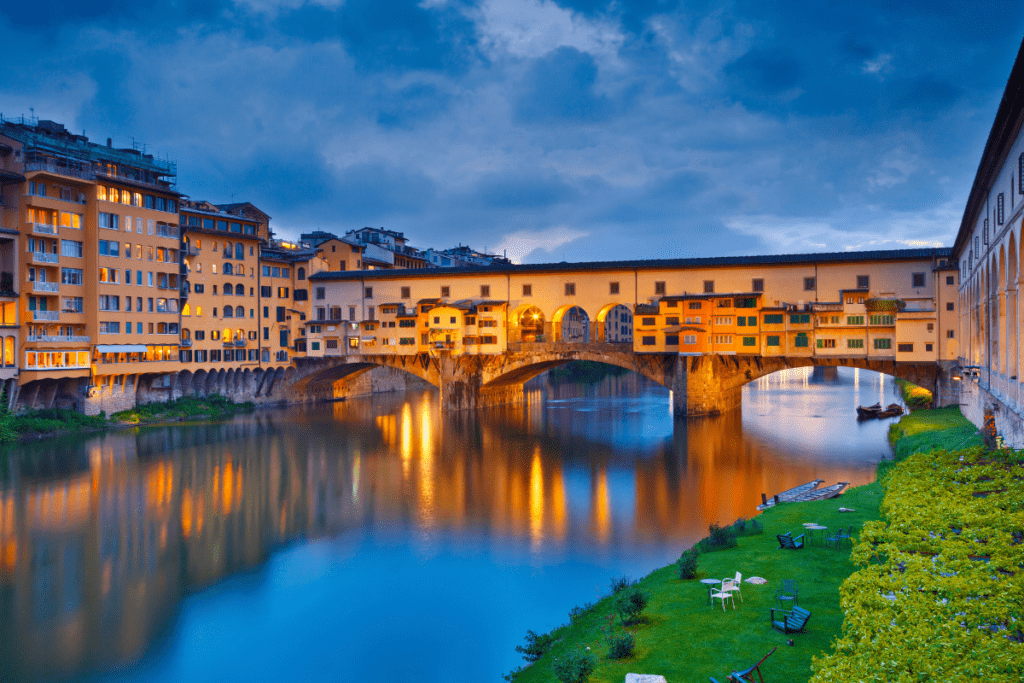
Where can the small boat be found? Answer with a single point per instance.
(822, 494)
(790, 495)
(892, 410)
(869, 412)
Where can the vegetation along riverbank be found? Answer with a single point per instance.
(54, 421)
(676, 634)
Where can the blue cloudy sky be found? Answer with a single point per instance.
(553, 129)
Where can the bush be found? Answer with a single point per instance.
(577, 612)
(620, 583)
(687, 563)
(536, 646)
(629, 603)
(719, 538)
(575, 666)
(621, 645)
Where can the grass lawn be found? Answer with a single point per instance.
(683, 639)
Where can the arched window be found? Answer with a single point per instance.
(186, 310)
(9, 351)
(239, 334)
(239, 251)
(239, 312)
(228, 312)
(302, 274)
(186, 333)
(239, 290)
(228, 289)
(239, 269)
(227, 250)
(227, 269)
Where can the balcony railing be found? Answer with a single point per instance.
(190, 251)
(39, 257)
(44, 229)
(236, 342)
(185, 342)
(62, 338)
(84, 174)
(48, 316)
(50, 287)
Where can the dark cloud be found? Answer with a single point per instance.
(521, 190)
(561, 89)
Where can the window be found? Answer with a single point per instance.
(647, 322)
(862, 282)
(855, 343)
(648, 341)
(931, 327)
(723, 320)
(694, 306)
(854, 320)
(109, 303)
(905, 348)
(110, 248)
(750, 341)
(882, 319)
(950, 306)
(110, 327)
(949, 334)
(757, 285)
(826, 343)
(802, 341)
(772, 340)
(71, 248)
(72, 304)
(723, 339)
(808, 283)
(709, 286)
(799, 318)
(773, 319)
(689, 339)
(527, 290)
(282, 293)
(446, 292)
(301, 294)
(71, 276)
(659, 287)
(950, 280)
(109, 221)
(405, 290)
(570, 289)
(485, 291)
(283, 338)
(673, 320)
(883, 343)
(281, 314)
(917, 280)
(671, 340)
(109, 275)
(1000, 205)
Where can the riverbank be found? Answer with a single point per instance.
(40, 424)
(683, 639)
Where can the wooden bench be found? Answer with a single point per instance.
(795, 620)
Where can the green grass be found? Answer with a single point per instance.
(916, 398)
(683, 639)
(186, 408)
(51, 420)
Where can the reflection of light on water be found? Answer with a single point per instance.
(356, 463)
(426, 464)
(602, 506)
(536, 500)
(856, 382)
(406, 442)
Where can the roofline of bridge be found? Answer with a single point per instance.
(1004, 131)
(653, 264)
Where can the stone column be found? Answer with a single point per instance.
(461, 381)
(704, 385)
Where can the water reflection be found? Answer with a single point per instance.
(101, 538)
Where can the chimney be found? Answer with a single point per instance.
(110, 142)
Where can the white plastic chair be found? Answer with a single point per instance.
(728, 586)
(737, 583)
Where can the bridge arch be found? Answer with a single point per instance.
(571, 324)
(614, 324)
(525, 366)
(528, 324)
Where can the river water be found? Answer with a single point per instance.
(378, 539)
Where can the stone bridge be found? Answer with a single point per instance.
(700, 385)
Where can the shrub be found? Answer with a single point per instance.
(687, 563)
(620, 583)
(629, 603)
(536, 646)
(577, 612)
(719, 538)
(574, 666)
(621, 645)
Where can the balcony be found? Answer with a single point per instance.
(81, 174)
(44, 229)
(190, 251)
(61, 338)
(46, 287)
(45, 316)
(236, 342)
(38, 257)
(185, 343)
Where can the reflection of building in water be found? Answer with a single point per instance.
(93, 562)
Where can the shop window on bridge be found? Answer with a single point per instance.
(862, 282)
(689, 339)
(527, 290)
(905, 348)
(746, 302)
(928, 347)
(694, 306)
(772, 340)
(671, 340)
(826, 343)
(648, 341)
(854, 320)
(672, 321)
(773, 319)
(855, 343)
(802, 341)
(647, 321)
(882, 320)
(883, 343)
(800, 319)
(488, 340)
(750, 341)
(724, 303)
(723, 339)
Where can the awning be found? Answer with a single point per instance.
(121, 348)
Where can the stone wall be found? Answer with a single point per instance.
(975, 398)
